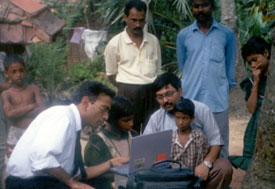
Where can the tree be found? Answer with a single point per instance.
(261, 172)
(229, 18)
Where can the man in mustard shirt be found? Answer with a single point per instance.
(133, 59)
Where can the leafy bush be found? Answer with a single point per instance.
(46, 66)
(255, 17)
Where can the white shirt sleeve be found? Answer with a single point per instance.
(111, 62)
(150, 127)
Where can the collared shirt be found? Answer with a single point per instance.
(49, 142)
(131, 64)
(194, 151)
(207, 64)
(204, 121)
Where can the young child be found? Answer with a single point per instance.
(257, 53)
(21, 102)
(188, 146)
(113, 140)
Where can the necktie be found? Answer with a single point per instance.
(78, 161)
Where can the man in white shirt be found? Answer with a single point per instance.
(45, 155)
(133, 59)
(217, 172)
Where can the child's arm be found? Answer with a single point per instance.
(12, 112)
(38, 101)
(252, 100)
(4, 86)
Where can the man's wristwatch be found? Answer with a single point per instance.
(208, 164)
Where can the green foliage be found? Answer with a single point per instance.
(45, 65)
(82, 71)
(255, 17)
(86, 71)
(169, 17)
(111, 11)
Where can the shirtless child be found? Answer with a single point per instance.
(21, 102)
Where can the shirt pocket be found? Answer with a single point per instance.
(149, 68)
(217, 52)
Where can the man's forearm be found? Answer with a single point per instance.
(60, 174)
(213, 154)
(112, 79)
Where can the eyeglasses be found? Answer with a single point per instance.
(103, 109)
(168, 94)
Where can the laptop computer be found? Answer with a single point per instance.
(145, 151)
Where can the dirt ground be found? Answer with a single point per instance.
(236, 132)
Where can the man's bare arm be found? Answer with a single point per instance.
(112, 79)
(10, 111)
(62, 176)
(202, 170)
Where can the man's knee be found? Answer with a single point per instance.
(224, 167)
(220, 175)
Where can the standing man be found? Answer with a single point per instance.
(216, 172)
(48, 155)
(133, 59)
(206, 54)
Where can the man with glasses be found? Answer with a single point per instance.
(133, 59)
(48, 155)
(216, 172)
(206, 52)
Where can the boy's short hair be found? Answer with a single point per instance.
(166, 79)
(185, 106)
(91, 89)
(121, 107)
(255, 45)
(13, 58)
(138, 4)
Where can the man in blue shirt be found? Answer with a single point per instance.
(206, 54)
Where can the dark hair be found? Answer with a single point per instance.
(255, 45)
(91, 89)
(138, 4)
(121, 107)
(185, 106)
(166, 79)
(11, 59)
(212, 3)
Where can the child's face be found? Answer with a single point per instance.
(258, 61)
(126, 123)
(183, 121)
(16, 73)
